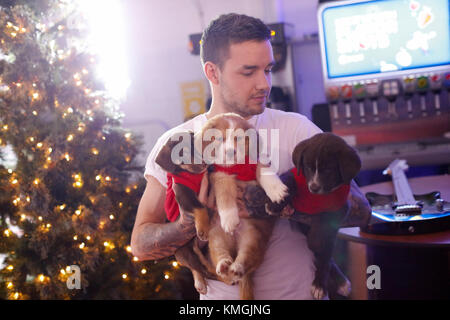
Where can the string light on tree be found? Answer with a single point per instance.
(78, 181)
(58, 120)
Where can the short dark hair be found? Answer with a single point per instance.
(228, 29)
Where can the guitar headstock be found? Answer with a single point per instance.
(405, 204)
(395, 166)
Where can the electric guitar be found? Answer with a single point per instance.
(404, 212)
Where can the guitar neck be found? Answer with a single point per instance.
(402, 188)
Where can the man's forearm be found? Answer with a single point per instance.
(155, 241)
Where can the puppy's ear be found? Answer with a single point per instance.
(297, 155)
(163, 158)
(349, 163)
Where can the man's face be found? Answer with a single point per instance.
(246, 79)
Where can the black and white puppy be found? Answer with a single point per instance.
(318, 190)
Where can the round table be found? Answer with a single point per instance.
(411, 266)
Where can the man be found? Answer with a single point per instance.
(237, 60)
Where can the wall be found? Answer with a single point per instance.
(158, 58)
(301, 13)
(305, 54)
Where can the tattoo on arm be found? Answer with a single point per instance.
(156, 241)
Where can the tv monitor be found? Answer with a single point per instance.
(383, 38)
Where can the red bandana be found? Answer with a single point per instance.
(307, 202)
(244, 172)
(191, 180)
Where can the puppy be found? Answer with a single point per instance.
(185, 172)
(318, 187)
(236, 246)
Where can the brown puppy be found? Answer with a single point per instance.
(185, 173)
(318, 187)
(236, 246)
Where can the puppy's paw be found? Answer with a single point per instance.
(200, 286)
(201, 223)
(317, 292)
(345, 289)
(274, 188)
(223, 266)
(237, 271)
(229, 219)
(202, 234)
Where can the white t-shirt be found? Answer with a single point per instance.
(287, 270)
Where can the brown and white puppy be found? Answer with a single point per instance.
(227, 140)
(236, 246)
(318, 187)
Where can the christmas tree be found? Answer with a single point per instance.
(69, 181)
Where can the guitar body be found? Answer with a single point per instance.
(435, 215)
(405, 213)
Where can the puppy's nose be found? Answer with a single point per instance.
(314, 187)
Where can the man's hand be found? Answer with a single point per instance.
(253, 203)
(206, 197)
(243, 212)
(360, 211)
(152, 238)
(247, 194)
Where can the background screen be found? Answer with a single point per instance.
(383, 36)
